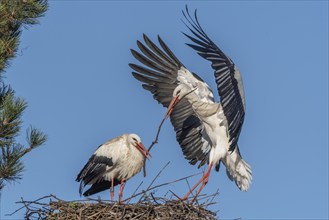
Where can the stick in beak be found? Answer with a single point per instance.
(171, 106)
(143, 150)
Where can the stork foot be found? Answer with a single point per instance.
(204, 180)
(184, 198)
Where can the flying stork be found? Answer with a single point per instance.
(113, 163)
(207, 131)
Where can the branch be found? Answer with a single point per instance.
(160, 185)
(159, 129)
(153, 143)
(158, 174)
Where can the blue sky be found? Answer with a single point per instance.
(73, 71)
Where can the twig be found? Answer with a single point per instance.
(158, 132)
(136, 190)
(213, 197)
(158, 174)
(151, 207)
(175, 195)
(160, 185)
(154, 199)
(153, 143)
(157, 135)
(29, 202)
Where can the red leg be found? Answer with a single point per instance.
(122, 186)
(112, 189)
(204, 178)
(193, 188)
(205, 181)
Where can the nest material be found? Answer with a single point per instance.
(147, 209)
(167, 210)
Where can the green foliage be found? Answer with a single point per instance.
(10, 165)
(11, 110)
(35, 137)
(15, 14)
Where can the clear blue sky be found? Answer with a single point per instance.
(73, 71)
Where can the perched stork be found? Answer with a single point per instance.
(114, 162)
(207, 131)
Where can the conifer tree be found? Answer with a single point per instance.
(14, 16)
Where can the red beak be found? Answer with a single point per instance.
(171, 106)
(143, 150)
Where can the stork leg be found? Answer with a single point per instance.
(204, 179)
(193, 188)
(122, 186)
(112, 189)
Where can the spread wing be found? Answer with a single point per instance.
(228, 78)
(159, 75)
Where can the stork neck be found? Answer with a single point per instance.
(192, 98)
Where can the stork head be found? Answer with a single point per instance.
(136, 141)
(179, 93)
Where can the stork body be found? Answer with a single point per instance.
(212, 117)
(113, 163)
(207, 131)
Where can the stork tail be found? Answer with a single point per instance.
(238, 170)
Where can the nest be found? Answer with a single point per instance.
(148, 208)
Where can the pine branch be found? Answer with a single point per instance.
(14, 16)
(35, 138)
(10, 165)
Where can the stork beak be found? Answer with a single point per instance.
(171, 106)
(143, 150)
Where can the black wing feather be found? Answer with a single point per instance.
(100, 186)
(93, 170)
(159, 76)
(232, 99)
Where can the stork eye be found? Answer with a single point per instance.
(134, 139)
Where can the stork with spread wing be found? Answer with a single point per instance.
(207, 131)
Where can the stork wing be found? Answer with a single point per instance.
(228, 78)
(159, 75)
(94, 169)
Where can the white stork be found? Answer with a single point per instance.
(207, 131)
(114, 162)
